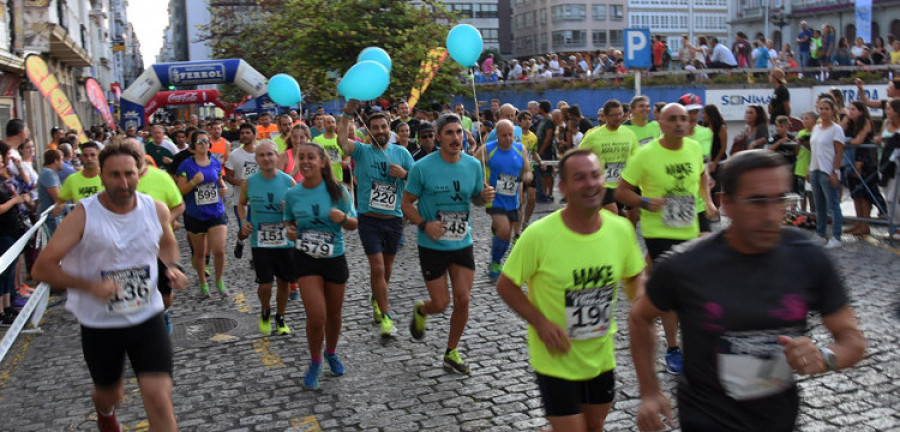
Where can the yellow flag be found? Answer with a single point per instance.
(427, 71)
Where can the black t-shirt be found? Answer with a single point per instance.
(732, 305)
(9, 221)
(776, 105)
(584, 125)
(546, 126)
(785, 149)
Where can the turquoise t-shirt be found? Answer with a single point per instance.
(504, 173)
(377, 191)
(317, 235)
(265, 198)
(444, 190)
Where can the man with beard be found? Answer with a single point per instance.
(284, 129)
(241, 164)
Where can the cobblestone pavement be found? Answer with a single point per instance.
(229, 378)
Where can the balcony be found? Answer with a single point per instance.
(63, 47)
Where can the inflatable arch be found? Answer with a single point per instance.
(161, 76)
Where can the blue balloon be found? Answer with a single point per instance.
(464, 44)
(376, 54)
(366, 80)
(284, 90)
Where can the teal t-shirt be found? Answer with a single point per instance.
(265, 198)
(444, 190)
(317, 235)
(377, 191)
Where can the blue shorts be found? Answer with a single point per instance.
(380, 235)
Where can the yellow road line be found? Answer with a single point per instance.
(14, 362)
(241, 301)
(269, 358)
(881, 244)
(143, 426)
(308, 424)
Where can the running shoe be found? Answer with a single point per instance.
(334, 363)
(108, 422)
(387, 326)
(494, 271)
(19, 303)
(833, 243)
(265, 323)
(311, 379)
(204, 289)
(376, 312)
(221, 286)
(7, 319)
(673, 361)
(417, 323)
(294, 291)
(206, 270)
(282, 328)
(453, 362)
(22, 293)
(239, 249)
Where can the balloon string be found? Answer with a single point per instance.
(481, 135)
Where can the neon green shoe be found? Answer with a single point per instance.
(387, 326)
(417, 323)
(453, 362)
(265, 323)
(221, 286)
(204, 289)
(282, 328)
(376, 312)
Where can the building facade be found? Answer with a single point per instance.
(561, 26)
(672, 19)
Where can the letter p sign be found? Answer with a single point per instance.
(638, 53)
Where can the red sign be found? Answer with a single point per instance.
(40, 75)
(184, 97)
(98, 100)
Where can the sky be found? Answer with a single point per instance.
(149, 18)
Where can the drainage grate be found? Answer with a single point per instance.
(203, 328)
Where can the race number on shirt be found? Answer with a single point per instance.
(316, 244)
(271, 234)
(507, 184)
(753, 365)
(134, 289)
(383, 196)
(334, 155)
(206, 193)
(456, 225)
(588, 312)
(679, 211)
(614, 171)
(250, 168)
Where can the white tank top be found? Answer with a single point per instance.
(123, 247)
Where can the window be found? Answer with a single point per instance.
(490, 35)
(616, 38)
(544, 45)
(529, 19)
(543, 16)
(616, 12)
(484, 10)
(464, 10)
(520, 18)
(569, 38)
(598, 12)
(599, 38)
(569, 12)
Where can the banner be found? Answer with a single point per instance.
(864, 20)
(46, 82)
(36, 31)
(98, 100)
(427, 71)
(184, 97)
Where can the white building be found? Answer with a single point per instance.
(674, 18)
(541, 27)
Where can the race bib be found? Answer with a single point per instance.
(316, 244)
(383, 196)
(456, 225)
(271, 234)
(334, 155)
(753, 366)
(507, 184)
(614, 171)
(206, 193)
(679, 211)
(588, 312)
(250, 168)
(134, 290)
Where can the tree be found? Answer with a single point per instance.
(312, 40)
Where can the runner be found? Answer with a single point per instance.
(241, 164)
(204, 217)
(274, 256)
(613, 145)
(265, 128)
(507, 168)
(529, 141)
(83, 183)
(219, 147)
(315, 214)
(670, 172)
(106, 252)
(328, 141)
(744, 339)
(443, 183)
(644, 129)
(381, 171)
(287, 160)
(704, 137)
(572, 262)
(285, 123)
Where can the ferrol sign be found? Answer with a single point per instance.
(98, 100)
(39, 74)
(200, 74)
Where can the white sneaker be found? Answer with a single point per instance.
(833, 244)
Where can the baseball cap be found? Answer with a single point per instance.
(691, 102)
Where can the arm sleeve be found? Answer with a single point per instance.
(632, 171)
(522, 260)
(634, 258)
(65, 191)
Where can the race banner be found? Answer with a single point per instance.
(864, 20)
(46, 82)
(427, 71)
(98, 100)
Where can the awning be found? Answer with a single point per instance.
(64, 48)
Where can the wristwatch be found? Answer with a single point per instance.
(830, 359)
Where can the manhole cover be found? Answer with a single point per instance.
(203, 328)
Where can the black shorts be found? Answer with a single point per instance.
(200, 226)
(609, 197)
(705, 223)
(435, 263)
(332, 270)
(659, 246)
(380, 235)
(147, 345)
(562, 397)
(512, 215)
(270, 263)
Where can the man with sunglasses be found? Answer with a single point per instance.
(425, 140)
(745, 339)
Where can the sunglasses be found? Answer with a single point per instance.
(426, 135)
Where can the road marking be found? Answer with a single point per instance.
(881, 245)
(13, 363)
(269, 358)
(308, 424)
(143, 426)
(222, 337)
(241, 301)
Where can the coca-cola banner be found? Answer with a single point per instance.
(184, 97)
(98, 100)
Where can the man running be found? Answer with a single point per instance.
(613, 145)
(381, 171)
(240, 165)
(274, 256)
(84, 183)
(443, 183)
(106, 253)
(572, 262)
(644, 129)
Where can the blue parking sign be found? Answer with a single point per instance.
(638, 49)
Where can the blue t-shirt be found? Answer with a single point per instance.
(762, 58)
(203, 202)
(377, 191)
(504, 173)
(804, 46)
(517, 132)
(317, 235)
(65, 171)
(46, 180)
(265, 198)
(444, 190)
